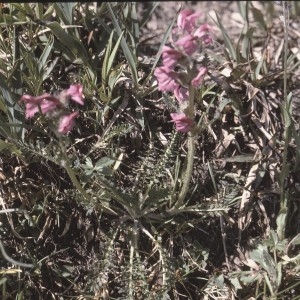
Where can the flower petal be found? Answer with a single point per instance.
(75, 92)
(182, 122)
(67, 122)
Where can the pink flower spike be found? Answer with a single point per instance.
(166, 79)
(182, 122)
(75, 92)
(199, 78)
(67, 122)
(181, 93)
(186, 19)
(188, 44)
(170, 56)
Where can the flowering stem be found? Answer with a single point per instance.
(71, 173)
(76, 182)
(284, 193)
(191, 150)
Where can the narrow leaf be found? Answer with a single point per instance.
(72, 43)
(127, 52)
(228, 43)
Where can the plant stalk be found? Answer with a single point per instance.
(71, 173)
(76, 182)
(281, 218)
(191, 150)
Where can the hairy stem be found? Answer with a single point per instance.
(71, 173)
(281, 218)
(133, 249)
(191, 150)
(76, 182)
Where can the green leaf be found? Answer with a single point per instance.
(131, 23)
(45, 55)
(49, 12)
(238, 158)
(268, 263)
(89, 163)
(131, 58)
(114, 52)
(39, 10)
(258, 17)
(250, 276)
(104, 70)
(281, 221)
(228, 43)
(104, 162)
(69, 41)
(219, 281)
(295, 240)
(109, 57)
(24, 8)
(148, 14)
(3, 280)
(65, 11)
(258, 68)
(243, 8)
(49, 68)
(235, 282)
(157, 57)
(14, 112)
(246, 44)
(9, 147)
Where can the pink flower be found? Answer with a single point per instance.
(67, 122)
(203, 33)
(166, 79)
(181, 93)
(170, 56)
(188, 44)
(75, 92)
(182, 122)
(199, 78)
(186, 19)
(46, 102)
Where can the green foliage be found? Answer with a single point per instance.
(96, 212)
(109, 74)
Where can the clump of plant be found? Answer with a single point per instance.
(182, 73)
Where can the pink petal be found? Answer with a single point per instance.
(188, 43)
(67, 122)
(204, 33)
(46, 102)
(181, 93)
(166, 79)
(31, 110)
(170, 56)
(200, 76)
(187, 18)
(75, 92)
(182, 122)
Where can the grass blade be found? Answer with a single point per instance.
(127, 51)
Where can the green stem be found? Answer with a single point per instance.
(71, 173)
(281, 218)
(76, 182)
(191, 151)
(133, 249)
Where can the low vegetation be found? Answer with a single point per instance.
(131, 171)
